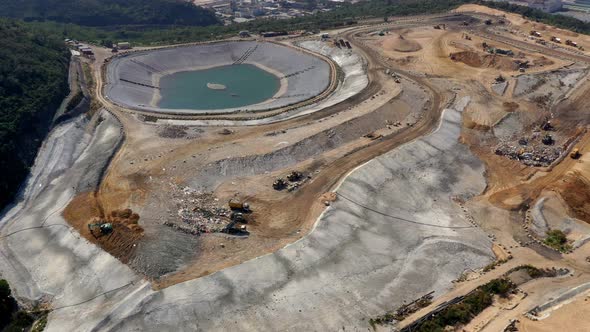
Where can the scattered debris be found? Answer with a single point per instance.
(197, 212)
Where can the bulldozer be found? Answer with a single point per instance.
(294, 176)
(279, 184)
(547, 140)
(103, 227)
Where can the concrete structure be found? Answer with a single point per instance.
(131, 78)
(548, 6)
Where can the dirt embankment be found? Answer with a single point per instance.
(401, 44)
(575, 190)
(477, 60)
(121, 242)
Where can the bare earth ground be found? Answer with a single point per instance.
(414, 209)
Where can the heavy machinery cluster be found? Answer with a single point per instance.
(292, 182)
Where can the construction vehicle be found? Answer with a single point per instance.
(103, 227)
(488, 22)
(571, 43)
(575, 154)
(279, 184)
(235, 204)
(535, 33)
(238, 217)
(556, 39)
(294, 176)
(437, 27)
(465, 23)
(234, 229)
(373, 136)
(347, 44)
(541, 41)
(547, 125)
(547, 140)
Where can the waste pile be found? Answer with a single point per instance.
(538, 155)
(197, 212)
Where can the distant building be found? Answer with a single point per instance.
(86, 51)
(548, 6)
(123, 45)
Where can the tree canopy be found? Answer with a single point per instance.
(109, 12)
(33, 82)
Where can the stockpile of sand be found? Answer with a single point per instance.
(477, 60)
(400, 44)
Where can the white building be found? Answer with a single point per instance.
(548, 6)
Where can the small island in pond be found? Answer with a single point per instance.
(215, 86)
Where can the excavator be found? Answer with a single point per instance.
(103, 227)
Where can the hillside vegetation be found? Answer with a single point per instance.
(342, 14)
(109, 12)
(33, 82)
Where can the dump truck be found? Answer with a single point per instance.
(571, 43)
(556, 39)
(575, 154)
(235, 204)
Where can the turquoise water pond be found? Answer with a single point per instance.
(245, 85)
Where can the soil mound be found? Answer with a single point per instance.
(401, 44)
(477, 60)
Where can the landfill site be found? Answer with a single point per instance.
(400, 166)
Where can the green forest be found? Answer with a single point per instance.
(33, 82)
(109, 12)
(342, 14)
